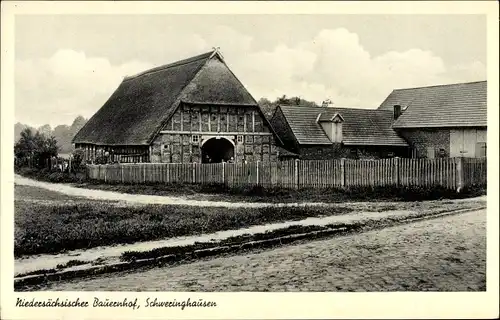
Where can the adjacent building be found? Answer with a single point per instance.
(426, 122)
(330, 133)
(194, 110)
(441, 121)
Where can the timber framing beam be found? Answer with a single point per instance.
(213, 133)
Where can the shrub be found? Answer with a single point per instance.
(45, 174)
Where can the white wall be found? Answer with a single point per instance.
(333, 130)
(463, 142)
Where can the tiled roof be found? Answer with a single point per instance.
(452, 105)
(360, 126)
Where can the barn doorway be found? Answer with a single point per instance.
(217, 150)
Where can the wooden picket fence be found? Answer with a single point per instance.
(451, 173)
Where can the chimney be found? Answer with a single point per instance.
(397, 111)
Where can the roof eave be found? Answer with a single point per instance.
(438, 126)
(376, 144)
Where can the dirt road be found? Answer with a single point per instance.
(444, 254)
(145, 199)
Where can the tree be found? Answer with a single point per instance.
(269, 107)
(63, 135)
(26, 144)
(46, 130)
(78, 123)
(35, 147)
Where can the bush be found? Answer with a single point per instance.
(45, 174)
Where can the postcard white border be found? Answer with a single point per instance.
(256, 305)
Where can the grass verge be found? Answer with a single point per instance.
(271, 238)
(48, 228)
(278, 195)
(229, 242)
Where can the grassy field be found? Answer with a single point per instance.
(53, 225)
(34, 193)
(50, 222)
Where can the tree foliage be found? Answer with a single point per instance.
(63, 133)
(268, 107)
(36, 147)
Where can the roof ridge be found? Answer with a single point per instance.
(331, 108)
(440, 85)
(177, 63)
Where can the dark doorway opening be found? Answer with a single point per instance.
(217, 150)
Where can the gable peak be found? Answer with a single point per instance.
(216, 52)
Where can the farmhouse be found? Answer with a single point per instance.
(328, 133)
(194, 110)
(441, 121)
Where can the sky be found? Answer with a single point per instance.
(69, 65)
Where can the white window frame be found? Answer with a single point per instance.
(195, 138)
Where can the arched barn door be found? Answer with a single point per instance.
(217, 150)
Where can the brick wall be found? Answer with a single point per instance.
(338, 151)
(421, 139)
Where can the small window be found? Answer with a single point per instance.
(214, 118)
(196, 138)
(239, 139)
(354, 153)
(240, 118)
(222, 118)
(441, 153)
(430, 153)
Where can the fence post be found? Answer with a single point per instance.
(144, 172)
(296, 174)
(342, 172)
(460, 174)
(397, 170)
(121, 165)
(194, 172)
(223, 172)
(257, 172)
(105, 172)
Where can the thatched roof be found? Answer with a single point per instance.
(142, 104)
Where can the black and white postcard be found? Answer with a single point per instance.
(249, 160)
